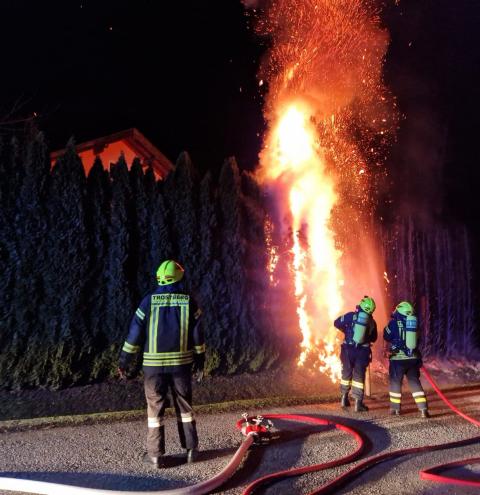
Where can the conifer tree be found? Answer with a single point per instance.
(28, 298)
(97, 215)
(138, 259)
(209, 249)
(11, 172)
(181, 195)
(118, 304)
(9, 187)
(159, 239)
(68, 257)
(231, 289)
(256, 302)
(210, 272)
(6, 243)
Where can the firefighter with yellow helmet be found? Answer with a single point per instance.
(166, 327)
(405, 360)
(360, 331)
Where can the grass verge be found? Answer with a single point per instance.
(96, 418)
(215, 408)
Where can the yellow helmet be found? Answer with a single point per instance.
(169, 272)
(368, 305)
(405, 308)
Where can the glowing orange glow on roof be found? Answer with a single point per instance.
(131, 142)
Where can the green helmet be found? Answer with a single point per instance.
(405, 308)
(368, 305)
(169, 272)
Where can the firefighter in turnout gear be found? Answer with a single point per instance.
(401, 336)
(360, 331)
(166, 327)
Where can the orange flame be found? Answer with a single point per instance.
(293, 157)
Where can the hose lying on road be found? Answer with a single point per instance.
(46, 488)
(314, 467)
(426, 374)
(425, 474)
(359, 468)
(429, 474)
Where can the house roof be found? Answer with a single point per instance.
(135, 144)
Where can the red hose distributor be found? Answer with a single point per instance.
(258, 426)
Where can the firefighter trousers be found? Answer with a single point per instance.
(355, 360)
(157, 386)
(411, 369)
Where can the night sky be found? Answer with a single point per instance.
(184, 74)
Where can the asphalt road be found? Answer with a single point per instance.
(108, 456)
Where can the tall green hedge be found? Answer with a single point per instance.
(78, 253)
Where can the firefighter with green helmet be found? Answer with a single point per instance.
(360, 331)
(166, 328)
(401, 334)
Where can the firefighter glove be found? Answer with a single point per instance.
(122, 373)
(199, 376)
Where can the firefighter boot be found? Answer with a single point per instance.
(192, 455)
(344, 402)
(360, 406)
(424, 413)
(152, 461)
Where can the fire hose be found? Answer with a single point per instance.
(305, 469)
(47, 488)
(429, 474)
(424, 474)
(255, 429)
(351, 473)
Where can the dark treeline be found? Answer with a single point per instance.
(78, 253)
(431, 265)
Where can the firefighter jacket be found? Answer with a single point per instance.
(166, 327)
(394, 333)
(346, 323)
